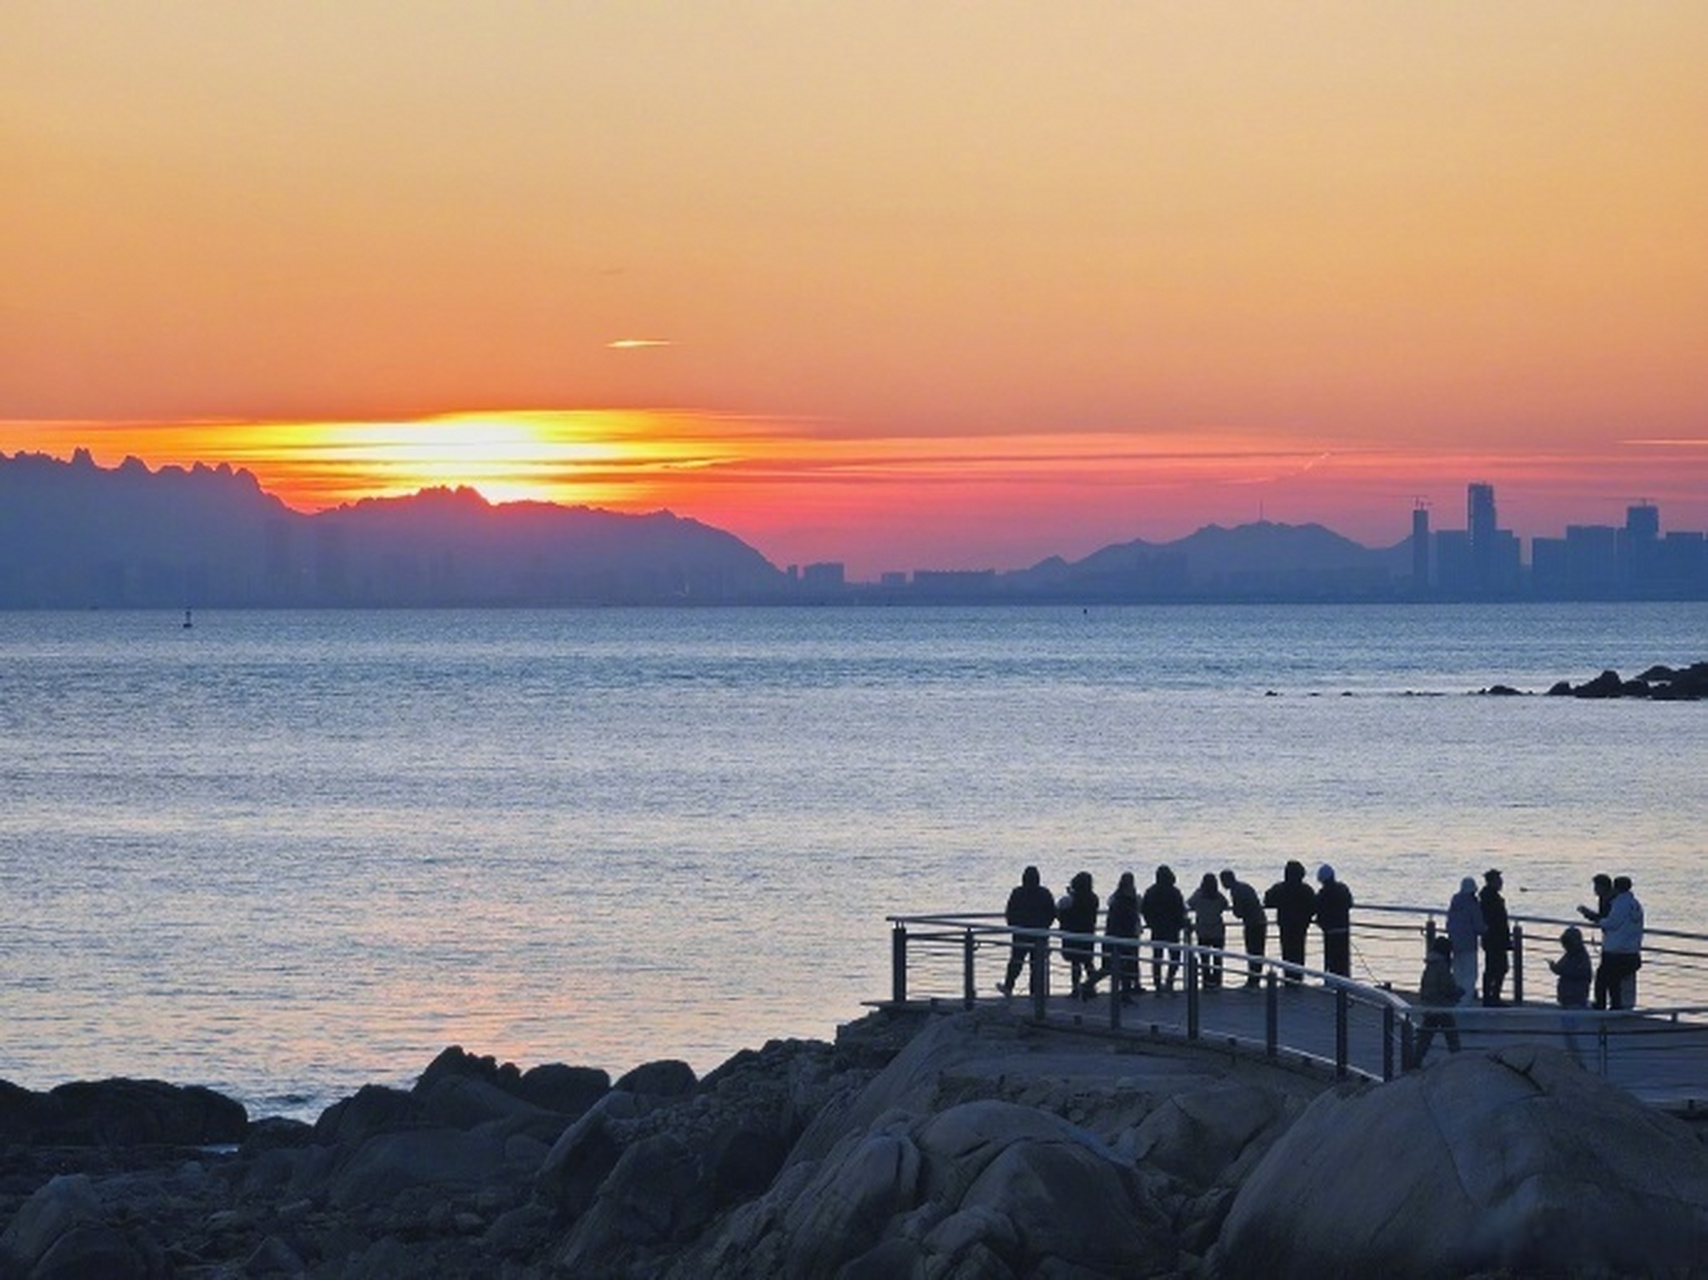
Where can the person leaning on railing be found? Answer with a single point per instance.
(1248, 909)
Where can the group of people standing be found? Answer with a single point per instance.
(1479, 918)
(1169, 914)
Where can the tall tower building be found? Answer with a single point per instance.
(1480, 531)
(1420, 548)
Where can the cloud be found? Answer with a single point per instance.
(633, 344)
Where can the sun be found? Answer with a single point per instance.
(506, 457)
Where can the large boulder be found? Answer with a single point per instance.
(1516, 1161)
(63, 1232)
(121, 1112)
(983, 1188)
(388, 1163)
(570, 1091)
(372, 1109)
(665, 1078)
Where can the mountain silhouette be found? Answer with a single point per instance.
(1258, 560)
(77, 535)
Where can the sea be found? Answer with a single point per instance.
(285, 854)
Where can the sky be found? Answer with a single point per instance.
(904, 285)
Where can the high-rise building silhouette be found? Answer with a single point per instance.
(1480, 529)
(1420, 548)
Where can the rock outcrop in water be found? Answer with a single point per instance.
(964, 1145)
(1658, 683)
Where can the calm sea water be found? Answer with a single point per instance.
(285, 854)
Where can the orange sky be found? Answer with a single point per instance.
(915, 285)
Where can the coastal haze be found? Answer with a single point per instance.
(288, 853)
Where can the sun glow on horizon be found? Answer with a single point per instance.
(801, 490)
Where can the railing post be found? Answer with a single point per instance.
(1118, 960)
(969, 991)
(1041, 976)
(898, 964)
(1517, 964)
(1342, 1017)
(1272, 1016)
(1192, 973)
(1387, 1042)
(1408, 1045)
(1601, 1045)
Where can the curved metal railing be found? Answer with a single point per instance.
(1368, 1025)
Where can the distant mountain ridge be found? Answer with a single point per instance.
(1262, 559)
(77, 535)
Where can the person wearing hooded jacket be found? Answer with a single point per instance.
(1294, 903)
(1121, 959)
(1334, 918)
(1030, 906)
(1164, 910)
(1077, 913)
(1465, 926)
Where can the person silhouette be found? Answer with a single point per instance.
(1603, 886)
(1465, 927)
(1248, 910)
(1294, 903)
(1571, 988)
(1438, 990)
(1030, 906)
(1497, 938)
(1120, 959)
(1622, 945)
(1164, 911)
(1209, 923)
(1334, 918)
(1076, 912)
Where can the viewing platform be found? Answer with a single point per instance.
(1363, 1027)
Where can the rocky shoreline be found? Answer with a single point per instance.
(970, 1144)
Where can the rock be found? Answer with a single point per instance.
(1605, 685)
(274, 1133)
(464, 1102)
(57, 1207)
(1207, 1136)
(122, 1112)
(653, 1196)
(1004, 1188)
(389, 1163)
(371, 1110)
(1516, 1162)
(1502, 691)
(666, 1078)
(1560, 689)
(583, 1157)
(454, 1061)
(273, 1257)
(570, 1091)
(101, 1250)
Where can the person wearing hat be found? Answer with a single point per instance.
(1334, 918)
(1497, 938)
